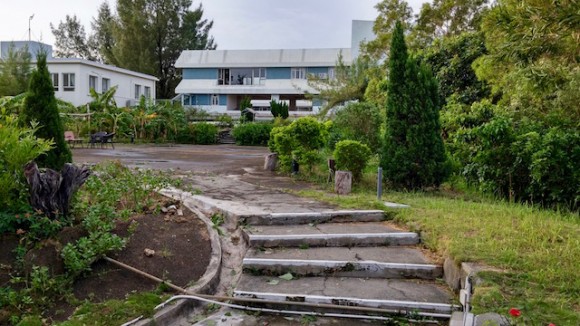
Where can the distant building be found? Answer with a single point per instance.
(33, 48)
(218, 80)
(73, 78)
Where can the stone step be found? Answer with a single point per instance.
(315, 217)
(330, 235)
(337, 268)
(397, 254)
(323, 228)
(407, 297)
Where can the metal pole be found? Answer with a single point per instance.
(29, 19)
(380, 183)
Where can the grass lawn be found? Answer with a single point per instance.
(539, 250)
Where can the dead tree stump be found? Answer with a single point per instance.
(343, 182)
(270, 162)
(50, 191)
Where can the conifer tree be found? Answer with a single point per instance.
(40, 105)
(413, 156)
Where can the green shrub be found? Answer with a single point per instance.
(18, 145)
(357, 121)
(205, 133)
(352, 156)
(253, 133)
(301, 140)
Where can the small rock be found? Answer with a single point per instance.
(172, 208)
(149, 252)
(164, 209)
(179, 212)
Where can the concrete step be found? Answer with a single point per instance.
(397, 254)
(315, 217)
(364, 269)
(330, 235)
(405, 297)
(323, 228)
(385, 262)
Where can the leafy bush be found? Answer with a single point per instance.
(205, 133)
(300, 140)
(516, 159)
(352, 156)
(18, 145)
(357, 121)
(253, 133)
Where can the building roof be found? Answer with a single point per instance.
(100, 66)
(270, 86)
(262, 58)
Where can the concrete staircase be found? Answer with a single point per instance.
(347, 258)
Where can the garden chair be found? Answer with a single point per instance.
(103, 138)
(70, 138)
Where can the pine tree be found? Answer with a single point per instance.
(40, 105)
(413, 155)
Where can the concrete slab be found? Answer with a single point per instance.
(342, 268)
(400, 295)
(410, 255)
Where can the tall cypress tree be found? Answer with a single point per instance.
(413, 155)
(40, 105)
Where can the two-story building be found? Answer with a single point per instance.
(218, 80)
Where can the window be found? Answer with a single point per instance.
(68, 82)
(223, 77)
(331, 73)
(215, 99)
(54, 78)
(298, 73)
(105, 84)
(93, 82)
(137, 91)
(147, 92)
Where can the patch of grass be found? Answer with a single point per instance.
(539, 250)
(115, 312)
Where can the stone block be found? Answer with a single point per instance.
(343, 182)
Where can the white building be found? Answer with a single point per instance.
(218, 80)
(73, 78)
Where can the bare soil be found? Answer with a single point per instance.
(182, 253)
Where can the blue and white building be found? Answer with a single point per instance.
(217, 80)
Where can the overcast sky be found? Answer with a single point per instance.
(238, 24)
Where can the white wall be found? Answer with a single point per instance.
(126, 83)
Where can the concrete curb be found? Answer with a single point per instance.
(209, 280)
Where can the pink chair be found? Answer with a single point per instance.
(70, 138)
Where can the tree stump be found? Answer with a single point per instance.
(270, 162)
(50, 191)
(343, 182)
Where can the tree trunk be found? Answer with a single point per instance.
(50, 191)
